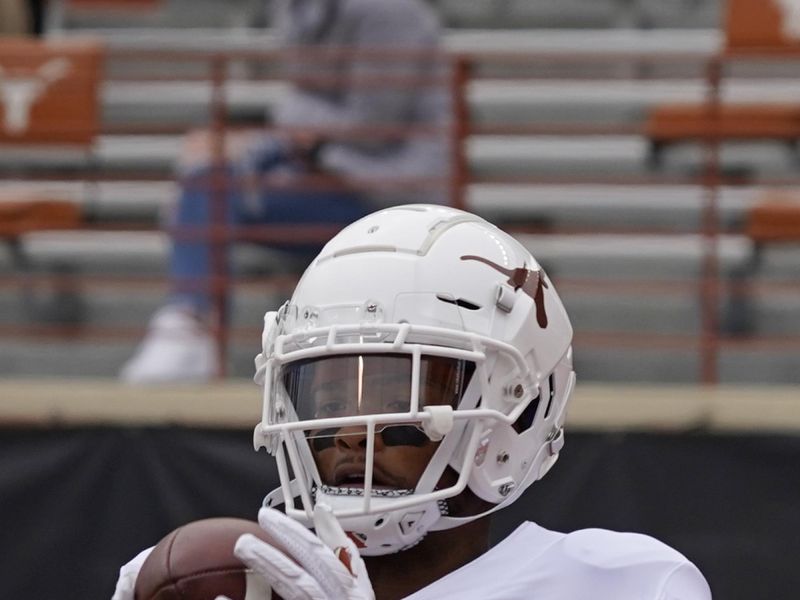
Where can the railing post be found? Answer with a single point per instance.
(219, 230)
(460, 71)
(710, 275)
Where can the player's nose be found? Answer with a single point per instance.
(355, 439)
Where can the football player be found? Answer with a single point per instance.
(417, 382)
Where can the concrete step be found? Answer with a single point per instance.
(608, 308)
(494, 157)
(606, 206)
(674, 311)
(503, 15)
(585, 205)
(643, 256)
(617, 100)
(616, 41)
(579, 13)
(103, 358)
(78, 357)
(612, 364)
(669, 264)
(174, 14)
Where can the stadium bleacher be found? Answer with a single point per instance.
(619, 95)
(556, 150)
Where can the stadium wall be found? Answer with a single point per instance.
(85, 485)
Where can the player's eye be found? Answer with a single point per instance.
(330, 408)
(394, 403)
(396, 406)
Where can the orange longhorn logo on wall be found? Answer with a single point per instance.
(767, 24)
(19, 91)
(49, 92)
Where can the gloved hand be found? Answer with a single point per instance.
(127, 576)
(326, 566)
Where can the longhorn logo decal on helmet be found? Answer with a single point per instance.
(531, 282)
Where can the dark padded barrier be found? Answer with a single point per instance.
(78, 502)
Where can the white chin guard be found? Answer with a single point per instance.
(381, 532)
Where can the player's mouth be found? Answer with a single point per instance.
(351, 481)
(352, 475)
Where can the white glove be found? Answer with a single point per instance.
(326, 566)
(127, 576)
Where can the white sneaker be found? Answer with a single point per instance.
(177, 348)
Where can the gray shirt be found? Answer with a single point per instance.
(327, 93)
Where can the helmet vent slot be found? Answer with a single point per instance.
(525, 420)
(551, 395)
(458, 302)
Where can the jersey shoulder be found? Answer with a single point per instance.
(534, 562)
(614, 549)
(630, 563)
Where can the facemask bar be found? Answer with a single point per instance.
(441, 458)
(294, 446)
(271, 433)
(466, 346)
(297, 445)
(370, 504)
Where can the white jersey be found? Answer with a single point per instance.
(534, 563)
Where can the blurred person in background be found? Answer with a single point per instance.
(326, 96)
(37, 10)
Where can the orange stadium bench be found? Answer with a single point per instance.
(35, 214)
(774, 218)
(672, 122)
(48, 100)
(750, 25)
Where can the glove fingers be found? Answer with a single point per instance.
(328, 528)
(286, 577)
(308, 550)
(278, 524)
(330, 531)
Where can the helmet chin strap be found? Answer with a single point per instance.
(275, 497)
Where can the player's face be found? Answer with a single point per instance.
(373, 384)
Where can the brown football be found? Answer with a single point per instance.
(196, 562)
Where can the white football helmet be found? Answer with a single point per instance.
(416, 327)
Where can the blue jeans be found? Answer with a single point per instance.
(190, 263)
